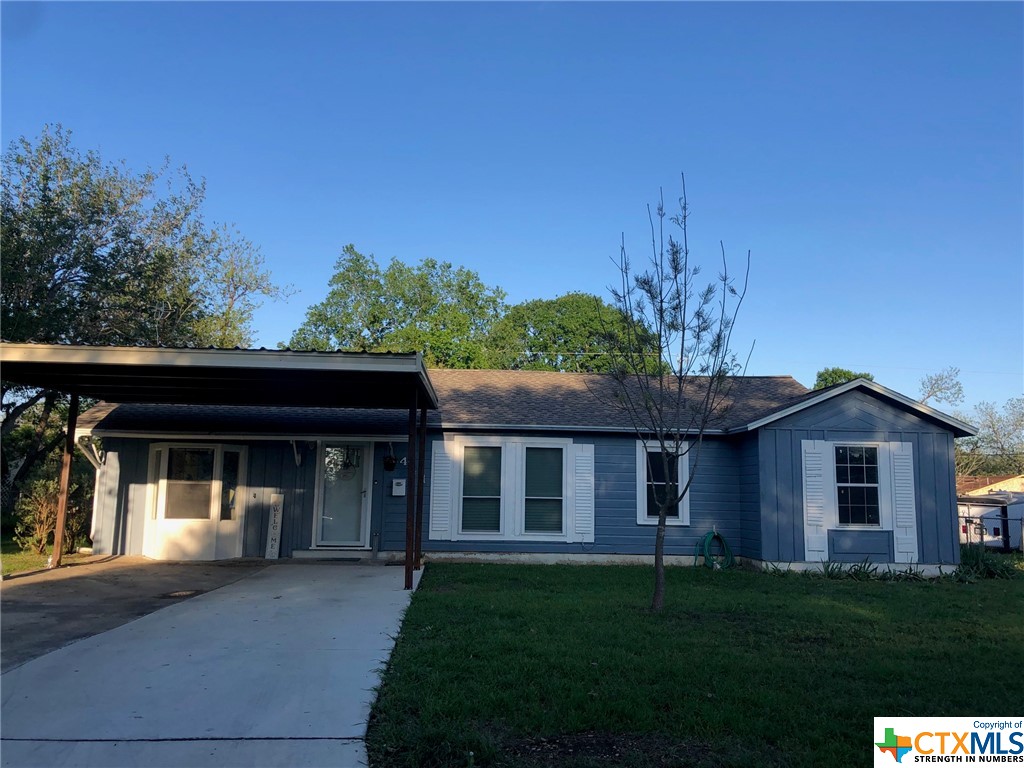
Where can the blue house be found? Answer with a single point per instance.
(519, 465)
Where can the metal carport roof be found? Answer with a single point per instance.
(254, 377)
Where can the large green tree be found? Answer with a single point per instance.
(92, 252)
(574, 332)
(446, 312)
(829, 377)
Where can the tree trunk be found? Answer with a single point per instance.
(658, 601)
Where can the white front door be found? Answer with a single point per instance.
(196, 511)
(343, 511)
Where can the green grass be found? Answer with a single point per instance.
(564, 665)
(13, 560)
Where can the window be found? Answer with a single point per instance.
(199, 482)
(857, 485)
(481, 489)
(544, 508)
(865, 486)
(512, 487)
(189, 483)
(656, 477)
(229, 484)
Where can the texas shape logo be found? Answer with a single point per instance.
(897, 746)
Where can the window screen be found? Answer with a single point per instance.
(189, 483)
(481, 489)
(543, 490)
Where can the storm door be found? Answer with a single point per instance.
(343, 509)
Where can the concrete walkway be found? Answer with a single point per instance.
(277, 669)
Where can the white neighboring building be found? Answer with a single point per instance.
(995, 517)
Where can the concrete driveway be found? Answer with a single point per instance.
(46, 610)
(276, 669)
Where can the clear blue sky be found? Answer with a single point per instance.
(868, 155)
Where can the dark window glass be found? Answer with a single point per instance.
(543, 490)
(857, 485)
(658, 485)
(229, 485)
(481, 489)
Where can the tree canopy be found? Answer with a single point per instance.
(943, 387)
(93, 254)
(573, 332)
(446, 312)
(998, 448)
(828, 377)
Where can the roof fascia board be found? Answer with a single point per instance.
(214, 358)
(863, 384)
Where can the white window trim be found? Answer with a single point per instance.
(643, 515)
(512, 520)
(156, 493)
(884, 487)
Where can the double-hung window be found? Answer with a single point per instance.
(199, 482)
(512, 488)
(857, 485)
(660, 477)
(544, 498)
(481, 489)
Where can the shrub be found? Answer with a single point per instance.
(976, 562)
(37, 515)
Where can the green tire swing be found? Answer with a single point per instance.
(723, 559)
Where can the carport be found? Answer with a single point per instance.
(255, 377)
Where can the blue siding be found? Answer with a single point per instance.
(856, 416)
(750, 497)
(121, 498)
(857, 546)
(720, 495)
(392, 509)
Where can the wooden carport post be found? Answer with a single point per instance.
(421, 467)
(65, 484)
(410, 501)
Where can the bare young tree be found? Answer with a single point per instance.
(673, 363)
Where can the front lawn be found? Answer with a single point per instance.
(14, 560)
(564, 665)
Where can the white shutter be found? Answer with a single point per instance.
(817, 457)
(904, 505)
(582, 493)
(441, 491)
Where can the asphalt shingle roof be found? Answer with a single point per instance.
(533, 399)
